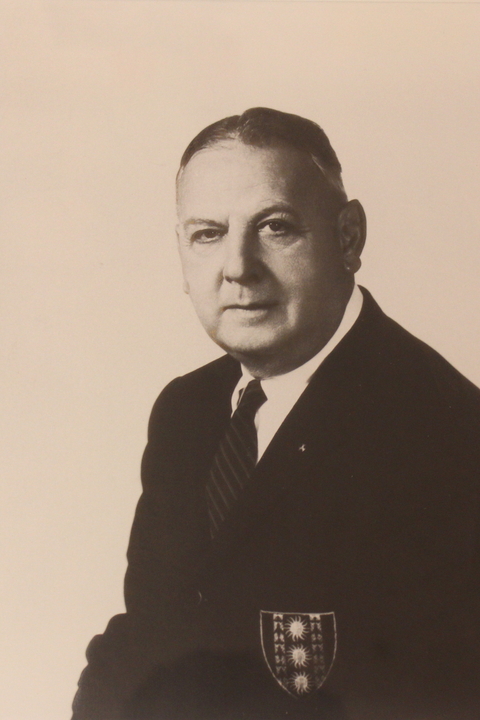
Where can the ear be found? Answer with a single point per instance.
(186, 289)
(352, 233)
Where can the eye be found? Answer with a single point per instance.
(206, 235)
(276, 228)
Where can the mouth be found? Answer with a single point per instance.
(252, 307)
(253, 312)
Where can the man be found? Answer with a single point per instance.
(306, 545)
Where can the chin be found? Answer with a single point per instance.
(250, 349)
(243, 351)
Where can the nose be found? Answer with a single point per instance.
(242, 263)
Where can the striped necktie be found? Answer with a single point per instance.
(236, 457)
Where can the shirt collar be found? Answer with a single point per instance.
(295, 380)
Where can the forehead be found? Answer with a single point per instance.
(232, 175)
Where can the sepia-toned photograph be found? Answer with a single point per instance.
(241, 322)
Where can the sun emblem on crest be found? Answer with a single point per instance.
(299, 649)
(299, 655)
(301, 682)
(296, 628)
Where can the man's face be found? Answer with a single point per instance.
(260, 256)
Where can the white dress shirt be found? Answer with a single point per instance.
(283, 391)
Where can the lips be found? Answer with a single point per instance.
(250, 306)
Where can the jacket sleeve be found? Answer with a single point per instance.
(131, 646)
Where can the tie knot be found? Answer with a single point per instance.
(252, 397)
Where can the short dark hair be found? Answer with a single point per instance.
(263, 127)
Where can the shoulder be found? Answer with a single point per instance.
(189, 393)
(405, 373)
(216, 373)
(395, 351)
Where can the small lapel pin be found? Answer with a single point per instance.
(302, 448)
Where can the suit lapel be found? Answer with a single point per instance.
(186, 447)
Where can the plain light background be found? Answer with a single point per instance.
(98, 100)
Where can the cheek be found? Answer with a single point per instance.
(201, 268)
(197, 274)
(299, 278)
(202, 290)
(306, 290)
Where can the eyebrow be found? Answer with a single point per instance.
(201, 221)
(264, 212)
(277, 207)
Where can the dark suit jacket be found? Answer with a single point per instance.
(365, 505)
